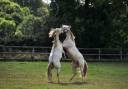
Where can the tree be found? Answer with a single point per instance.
(31, 31)
(95, 23)
(7, 30)
(33, 5)
(18, 25)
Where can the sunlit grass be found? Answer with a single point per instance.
(32, 75)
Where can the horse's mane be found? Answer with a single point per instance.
(72, 36)
(54, 42)
(53, 31)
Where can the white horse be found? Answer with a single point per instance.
(78, 60)
(56, 53)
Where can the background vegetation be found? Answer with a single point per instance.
(95, 23)
(23, 22)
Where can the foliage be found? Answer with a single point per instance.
(96, 23)
(7, 30)
(33, 5)
(31, 30)
(19, 24)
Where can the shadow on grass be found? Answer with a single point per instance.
(70, 83)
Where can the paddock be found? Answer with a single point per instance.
(32, 75)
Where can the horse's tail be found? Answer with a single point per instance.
(85, 69)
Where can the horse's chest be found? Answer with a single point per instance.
(67, 44)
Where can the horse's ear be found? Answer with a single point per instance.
(72, 36)
(70, 26)
(51, 29)
(52, 32)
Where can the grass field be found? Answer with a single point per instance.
(32, 75)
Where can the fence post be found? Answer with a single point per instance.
(121, 54)
(33, 51)
(99, 54)
(4, 50)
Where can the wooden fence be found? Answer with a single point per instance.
(33, 53)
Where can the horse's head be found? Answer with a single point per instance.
(66, 28)
(54, 31)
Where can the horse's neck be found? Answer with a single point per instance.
(68, 36)
(68, 42)
(56, 40)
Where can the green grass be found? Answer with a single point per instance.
(32, 75)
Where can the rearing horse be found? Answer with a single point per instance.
(73, 53)
(56, 53)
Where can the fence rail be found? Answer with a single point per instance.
(42, 53)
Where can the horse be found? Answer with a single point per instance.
(73, 53)
(55, 54)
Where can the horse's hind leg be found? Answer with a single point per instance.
(58, 71)
(58, 66)
(73, 76)
(82, 74)
(49, 72)
(83, 69)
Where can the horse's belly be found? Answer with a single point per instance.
(75, 54)
(55, 55)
